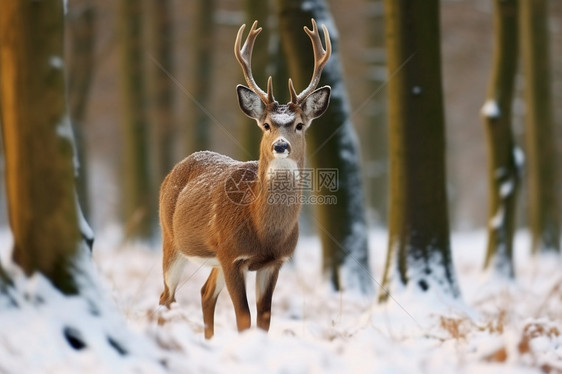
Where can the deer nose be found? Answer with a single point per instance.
(281, 147)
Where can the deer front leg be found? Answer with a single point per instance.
(209, 294)
(235, 279)
(266, 279)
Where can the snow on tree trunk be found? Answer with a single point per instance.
(332, 144)
(419, 253)
(504, 159)
(81, 22)
(53, 314)
(542, 165)
(38, 144)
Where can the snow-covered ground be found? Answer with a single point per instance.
(499, 327)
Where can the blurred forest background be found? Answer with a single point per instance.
(186, 75)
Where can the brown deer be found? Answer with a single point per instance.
(219, 212)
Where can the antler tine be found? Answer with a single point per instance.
(321, 57)
(244, 56)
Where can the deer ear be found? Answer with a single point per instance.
(250, 102)
(317, 102)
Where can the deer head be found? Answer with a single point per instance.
(283, 125)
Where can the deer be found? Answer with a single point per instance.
(218, 212)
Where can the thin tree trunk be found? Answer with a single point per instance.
(38, 141)
(202, 86)
(160, 87)
(81, 23)
(503, 164)
(257, 10)
(542, 165)
(419, 245)
(138, 199)
(333, 146)
(377, 130)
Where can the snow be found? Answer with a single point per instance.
(56, 62)
(416, 90)
(519, 156)
(506, 188)
(498, 327)
(491, 109)
(497, 220)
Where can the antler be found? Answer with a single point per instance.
(244, 56)
(321, 57)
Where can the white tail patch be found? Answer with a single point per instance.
(204, 261)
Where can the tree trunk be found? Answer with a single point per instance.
(160, 87)
(257, 10)
(333, 147)
(503, 163)
(542, 166)
(38, 141)
(81, 23)
(4, 279)
(419, 245)
(375, 144)
(203, 45)
(138, 199)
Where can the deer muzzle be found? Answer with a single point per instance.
(281, 148)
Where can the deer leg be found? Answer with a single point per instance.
(209, 294)
(235, 279)
(172, 264)
(266, 279)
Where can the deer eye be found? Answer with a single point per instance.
(266, 126)
(299, 127)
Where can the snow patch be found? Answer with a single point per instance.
(519, 157)
(491, 109)
(56, 62)
(282, 118)
(506, 188)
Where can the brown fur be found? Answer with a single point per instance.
(217, 210)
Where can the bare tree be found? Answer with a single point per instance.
(203, 46)
(39, 150)
(163, 128)
(333, 145)
(139, 201)
(542, 165)
(259, 10)
(419, 250)
(376, 154)
(503, 164)
(81, 24)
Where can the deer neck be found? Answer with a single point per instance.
(275, 212)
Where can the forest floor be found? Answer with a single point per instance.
(499, 326)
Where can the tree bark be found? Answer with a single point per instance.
(160, 87)
(203, 43)
(38, 141)
(139, 201)
(333, 146)
(257, 10)
(81, 23)
(419, 244)
(377, 131)
(542, 166)
(503, 164)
